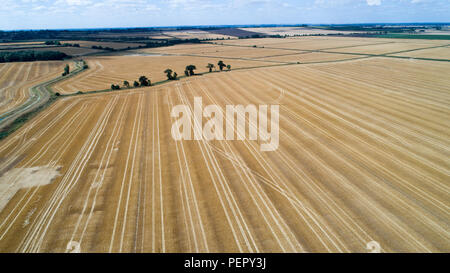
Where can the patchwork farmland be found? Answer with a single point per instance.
(363, 156)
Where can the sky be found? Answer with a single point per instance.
(68, 14)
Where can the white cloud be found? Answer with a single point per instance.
(373, 2)
(78, 2)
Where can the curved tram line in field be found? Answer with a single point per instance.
(39, 95)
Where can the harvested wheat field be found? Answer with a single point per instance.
(389, 48)
(436, 53)
(291, 31)
(339, 44)
(217, 51)
(305, 42)
(196, 34)
(363, 156)
(104, 71)
(16, 79)
(182, 49)
(310, 57)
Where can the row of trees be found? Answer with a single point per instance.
(190, 68)
(69, 44)
(103, 48)
(31, 55)
(171, 75)
(220, 64)
(141, 82)
(58, 43)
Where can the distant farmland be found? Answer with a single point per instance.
(236, 32)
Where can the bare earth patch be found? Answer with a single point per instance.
(22, 178)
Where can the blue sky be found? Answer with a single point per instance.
(55, 14)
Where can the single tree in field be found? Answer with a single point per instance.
(221, 65)
(126, 84)
(211, 67)
(136, 84)
(144, 81)
(191, 69)
(186, 73)
(175, 76)
(169, 72)
(229, 67)
(66, 70)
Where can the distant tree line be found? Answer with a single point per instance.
(69, 44)
(56, 43)
(31, 55)
(190, 69)
(103, 48)
(141, 82)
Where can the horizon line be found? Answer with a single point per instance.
(225, 26)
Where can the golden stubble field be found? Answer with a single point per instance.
(363, 156)
(106, 70)
(291, 31)
(16, 79)
(240, 54)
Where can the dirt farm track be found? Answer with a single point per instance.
(363, 156)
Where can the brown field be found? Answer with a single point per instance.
(363, 156)
(115, 35)
(17, 78)
(72, 51)
(104, 44)
(5, 46)
(233, 32)
(21, 43)
(199, 34)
